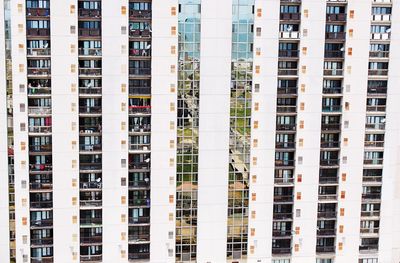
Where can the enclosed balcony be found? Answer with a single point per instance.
(286, 123)
(372, 175)
(327, 210)
(139, 198)
(373, 158)
(328, 176)
(325, 245)
(89, 29)
(90, 162)
(91, 236)
(89, 126)
(91, 253)
(39, 12)
(139, 29)
(41, 237)
(89, 9)
(90, 181)
(285, 141)
(41, 200)
(40, 182)
(138, 216)
(369, 245)
(139, 10)
(327, 193)
(139, 106)
(139, 162)
(139, 124)
(281, 246)
(283, 212)
(330, 140)
(283, 194)
(139, 252)
(139, 234)
(287, 68)
(371, 193)
(139, 68)
(90, 218)
(90, 199)
(139, 87)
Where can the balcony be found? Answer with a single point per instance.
(139, 238)
(39, 71)
(284, 163)
(41, 204)
(338, 36)
(380, 36)
(370, 213)
(287, 90)
(329, 162)
(331, 126)
(90, 185)
(381, 18)
(327, 215)
(377, 91)
(139, 52)
(336, 17)
(378, 72)
(139, 14)
(139, 90)
(379, 54)
(375, 126)
(327, 197)
(41, 186)
(325, 249)
(138, 256)
(90, 71)
(290, 16)
(139, 147)
(89, 32)
(90, 110)
(139, 71)
(139, 220)
(42, 241)
(38, 32)
(282, 233)
(334, 54)
(374, 144)
(90, 203)
(90, 166)
(288, 53)
(41, 223)
(282, 216)
(139, 202)
(145, 166)
(46, 259)
(330, 144)
(140, 128)
(38, 52)
(287, 72)
(331, 108)
(373, 161)
(91, 239)
(89, 13)
(37, 12)
(281, 250)
(289, 35)
(333, 72)
(326, 232)
(286, 127)
(90, 52)
(89, 129)
(40, 111)
(90, 147)
(372, 179)
(283, 198)
(368, 248)
(90, 91)
(328, 180)
(39, 91)
(376, 108)
(91, 221)
(286, 109)
(369, 230)
(371, 196)
(40, 167)
(285, 145)
(91, 258)
(139, 109)
(40, 148)
(138, 33)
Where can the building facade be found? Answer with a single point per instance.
(200, 131)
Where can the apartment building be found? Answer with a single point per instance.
(200, 131)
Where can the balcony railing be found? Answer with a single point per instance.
(90, 185)
(287, 90)
(288, 53)
(93, 90)
(41, 186)
(139, 202)
(90, 166)
(139, 109)
(34, 12)
(374, 144)
(40, 148)
(38, 32)
(282, 216)
(90, 71)
(327, 214)
(40, 167)
(281, 250)
(89, 32)
(90, 203)
(287, 72)
(284, 162)
(331, 108)
(281, 233)
(333, 72)
(327, 197)
(39, 71)
(368, 248)
(285, 145)
(42, 223)
(371, 196)
(91, 239)
(286, 109)
(41, 241)
(372, 179)
(90, 109)
(290, 16)
(328, 180)
(87, 129)
(378, 108)
(138, 255)
(375, 126)
(41, 204)
(139, 237)
(139, 90)
(379, 54)
(91, 13)
(370, 213)
(326, 232)
(334, 54)
(369, 230)
(90, 147)
(286, 127)
(91, 221)
(330, 126)
(283, 180)
(139, 220)
(283, 198)
(378, 72)
(380, 36)
(38, 51)
(377, 161)
(336, 17)
(383, 18)
(145, 33)
(47, 259)
(139, 184)
(90, 51)
(335, 35)
(289, 35)
(39, 110)
(143, 14)
(325, 249)
(91, 258)
(332, 144)
(139, 147)
(377, 90)
(140, 128)
(139, 71)
(329, 162)
(140, 52)
(39, 91)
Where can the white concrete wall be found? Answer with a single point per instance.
(18, 29)
(115, 74)
(312, 80)
(263, 187)
(161, 134)
(4, 208)
(63, 98)
(215, 78)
